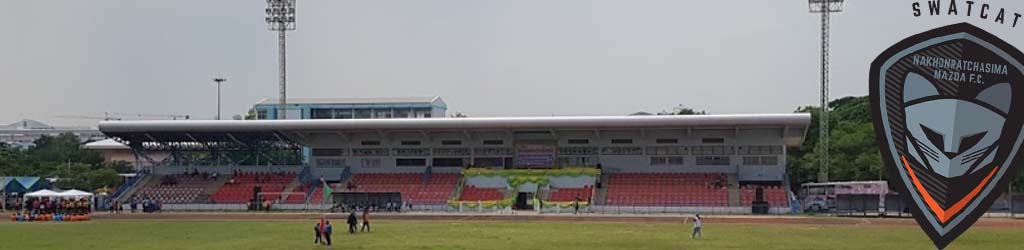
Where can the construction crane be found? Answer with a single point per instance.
(148, 116)
(108, 116)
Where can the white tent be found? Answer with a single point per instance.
(43, 193)
(75, 193)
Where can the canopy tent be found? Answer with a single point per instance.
(75, 193)
(3, 182)
(23, 184)
(43, 193)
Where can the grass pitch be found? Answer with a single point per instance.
(504, 235)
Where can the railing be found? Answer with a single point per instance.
(726, 210)
(345, 174)
(128, 184)
(304, 176)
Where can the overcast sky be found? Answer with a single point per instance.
(485, 58)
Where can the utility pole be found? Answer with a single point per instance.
(825, 8)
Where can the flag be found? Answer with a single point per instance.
(327, 190)
(323, 224)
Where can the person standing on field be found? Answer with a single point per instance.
(316, 230)
(697, 223)
(366, 220)
(327, 233)
(352, 222)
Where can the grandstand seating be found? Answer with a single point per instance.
(318, 195)
(415, 186)
(241, 190)
(186, 189)
(570, 194)
(473, 193)
(295, 198)
(774, 195)
(668, 189)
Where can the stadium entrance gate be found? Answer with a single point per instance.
(524, 201)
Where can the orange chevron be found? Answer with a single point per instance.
(945, 214)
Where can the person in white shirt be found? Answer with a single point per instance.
(696, 227)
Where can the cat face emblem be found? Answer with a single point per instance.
(947, 123)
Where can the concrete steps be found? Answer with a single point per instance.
(290, 188)
(734, 191)
(131, 191)
(602, 193)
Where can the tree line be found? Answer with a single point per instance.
(63, 158)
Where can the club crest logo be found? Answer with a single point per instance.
(948, 116)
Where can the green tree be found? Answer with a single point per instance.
(683, 110)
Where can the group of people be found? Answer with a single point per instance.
(145, 203)
(322, 230)
(381, 206)
(58, 209)
(58, 205)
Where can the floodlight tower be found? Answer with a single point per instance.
(281, 18)
(218, 81)
(825, 8)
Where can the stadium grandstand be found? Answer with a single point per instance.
(698, 163)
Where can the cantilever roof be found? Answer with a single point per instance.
(799, 120)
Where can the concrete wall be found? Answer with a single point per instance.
(224, 170)
(391, 144)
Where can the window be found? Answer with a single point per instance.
(761, 150)
(760, 160)
(363, 114)
(712, 150)
(713, 140)
(493, 151)
(577, 161)
(407, 162)
(330, 162)
(666, 141)
(668, 150)
(369, 152)
(622, 141)
(261, 114)
(328, 152)
(370, 162)
(322, 113)
(666, 160)
(411, 151)
(401, 114)
(451, 152)
(370, 143)
(410, 143)
(579, 141)
(713, 161)
(448, 162)
(451, 142)
(577, 151)
(489, 162)
(622, 151)
(494, 142)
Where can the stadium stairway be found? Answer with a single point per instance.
(131, 191)
(602, 193)
(204, 196)
(289, 188)
(734, 191)
(543, 193)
